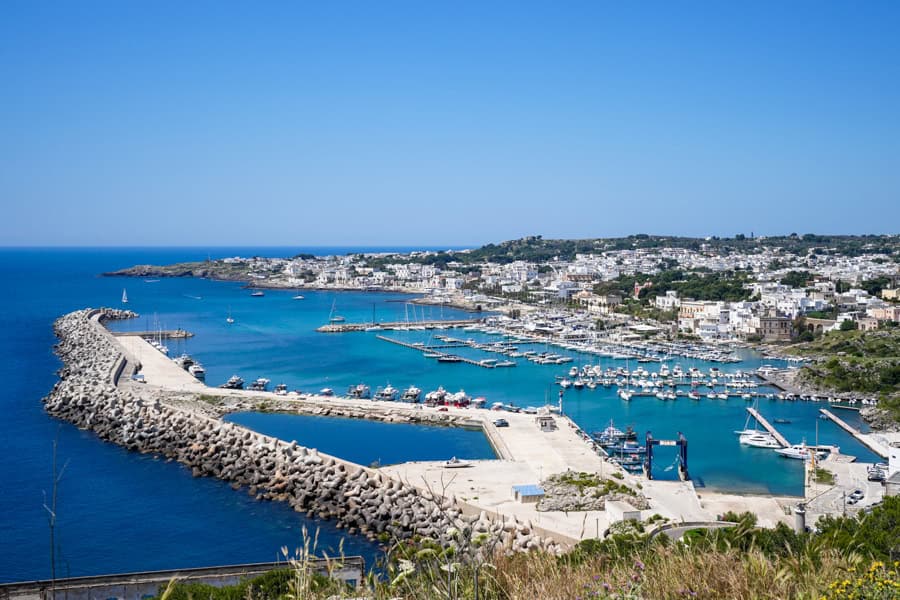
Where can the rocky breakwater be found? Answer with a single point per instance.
(361, 500)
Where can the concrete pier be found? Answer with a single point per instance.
(862, 438)
(768, 427)
(401, 325)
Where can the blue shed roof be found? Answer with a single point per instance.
(528, 490)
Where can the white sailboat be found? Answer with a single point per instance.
(124, 296)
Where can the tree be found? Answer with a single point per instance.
(849, 325)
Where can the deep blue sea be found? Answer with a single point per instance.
(120, 511)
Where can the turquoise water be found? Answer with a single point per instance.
(368, 442)
(275, 337)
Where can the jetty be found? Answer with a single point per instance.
(424, 348)
(768, 427)
(397, 325)
(865, 440)
(165, 334)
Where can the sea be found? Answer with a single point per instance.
(119, 511)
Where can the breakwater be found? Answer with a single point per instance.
(92, 394)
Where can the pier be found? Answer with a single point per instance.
(424, 348)
(862, 438)
(397, 325)
(768, 427)
(164, 334)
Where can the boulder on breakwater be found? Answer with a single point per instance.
(89, 395)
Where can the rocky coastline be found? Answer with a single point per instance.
(90, 394)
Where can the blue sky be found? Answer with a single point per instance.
(389, 123)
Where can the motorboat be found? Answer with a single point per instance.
(388, 393)
(506, 363)
(260, 384)
(625, 394)
(359, 391)
(234, 383)
(436, 396)
(798, 452)
(759, 440)
(257, 294)
(411, 394)
(281, 389)
(326, 392)
(455, 463)
(197, 371)
(184, 361)
(449, 358)
(297, 297)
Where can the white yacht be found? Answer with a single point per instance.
(388, 392)
(759, 440)
(798, 452)
(411, 394)
(197, 371)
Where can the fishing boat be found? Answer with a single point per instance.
(124, 296)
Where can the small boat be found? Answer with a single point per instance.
(455, 463)
(124, 296)
(229, 319)
(506, 363)
(625, 395)
(297, 297)
(326, 392)
(281, 389)
(449, 358)
(151, 281)
(431, 355)
(197, 371)
(257, 294)
(782, 421)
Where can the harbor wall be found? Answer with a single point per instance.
(362, 500)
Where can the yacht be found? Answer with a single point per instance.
(759, 440)
(411, 394)
(234, 383)
(436, 397)
(197, 371)
(260, 384)
(798, 452)
(184, 361)
(693, 395)
(386, 393)
(359, 391)
(281, 389)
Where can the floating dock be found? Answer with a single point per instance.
(862, 438)
(768, 427)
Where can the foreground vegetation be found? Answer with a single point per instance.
(847, 558)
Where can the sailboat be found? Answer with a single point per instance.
(229, 319)
(124, 296)
(333, 318)
(374, 326)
